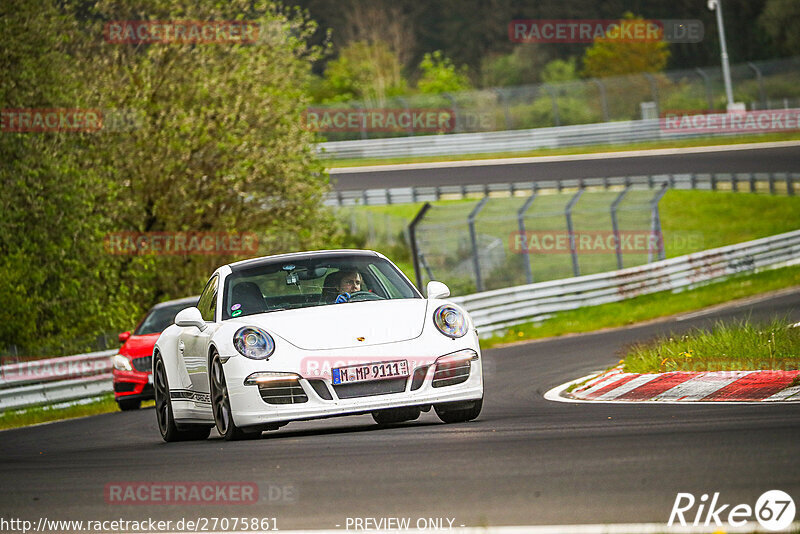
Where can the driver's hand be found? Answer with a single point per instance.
(343, 297)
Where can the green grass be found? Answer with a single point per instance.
(703, 141)
(738, 345)
(44, 414)
(648, 307)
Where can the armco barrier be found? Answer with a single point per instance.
(501, 308)
(87, 375)
(603, 133)
(52, 380)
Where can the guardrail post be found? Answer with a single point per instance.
(734, 182)
(412, 235)
(615, 225)
(789, 184)
(603, 99)
(413, 194)
(713, 181)
(521, 225)
(771, 184)
(576, 271)
(752, 182)
(707, 82)
(473, 237)
(655, 224)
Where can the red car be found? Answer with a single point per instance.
(133, 366)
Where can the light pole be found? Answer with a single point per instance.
(726, 69)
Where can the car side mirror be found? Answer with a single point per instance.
(437, 290)
(190, 317)
(123, 337)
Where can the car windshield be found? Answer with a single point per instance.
(158, 319)
(319, 281)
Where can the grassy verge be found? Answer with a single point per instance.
(648, 307)
(681, 143)
(739, 345)
(44, 414)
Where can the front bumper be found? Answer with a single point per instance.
(132, 385)
(321, 399)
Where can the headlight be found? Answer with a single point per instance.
(121, 363)
(253, 343)
(450, 321)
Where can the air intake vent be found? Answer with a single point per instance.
(283, 392)
(451, 373)
(321, 389)
(419, 377)
(372, 387)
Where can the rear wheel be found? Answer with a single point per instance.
(396, 415)
(166, 421)
(221, 404)
(459, 412)
(129, 404)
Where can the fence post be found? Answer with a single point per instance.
(554, 97)
(504, 102)
(426, 267)
(760, 79)
(412, 235)
(571, 232)
(655, 224)
(707, 82)
(654, 91)
(603, 99)
(458, 126)
(521, 224)
(410, 128)
(615, 224)
(473, 237)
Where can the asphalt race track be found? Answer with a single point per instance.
(524, 461)
(779, 159)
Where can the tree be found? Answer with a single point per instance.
(559, 70)
(781, 20)
(364, 71)
(609, 56)
(439, 75)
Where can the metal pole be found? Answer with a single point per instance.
(707, 83)
(615, 225)
(726, 68)
(412, 235)
(603, 99)
(502, 97)
(760, 78)
(521, 224)
(570, 231)
(473, 236)
(653, 91)
(655, 226)
(554, 97)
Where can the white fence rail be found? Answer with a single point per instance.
(501, 308)
(88, 375)
(603, 133)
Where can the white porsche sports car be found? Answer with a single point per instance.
(311, 335)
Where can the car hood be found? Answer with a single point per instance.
(338, 326)
(138, 346)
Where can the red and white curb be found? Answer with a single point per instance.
(615, 385)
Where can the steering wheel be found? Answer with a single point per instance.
(360, 296)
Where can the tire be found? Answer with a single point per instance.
(396, 415)
(459, 412)
(129, 404)
(166, 420)
(221, 405)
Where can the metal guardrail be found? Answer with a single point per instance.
(603, 133)
(768, 182)
(501, 308)
(87, 375)
(37, 382)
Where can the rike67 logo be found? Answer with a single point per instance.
(774, 510)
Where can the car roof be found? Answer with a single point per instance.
(189, 301)
(299, 256)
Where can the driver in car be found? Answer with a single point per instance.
(349, 282)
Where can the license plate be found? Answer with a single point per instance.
(369, 371)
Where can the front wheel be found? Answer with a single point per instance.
(459, 412)
(166, 420)
(221, 404)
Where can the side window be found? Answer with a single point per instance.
(208, 300)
